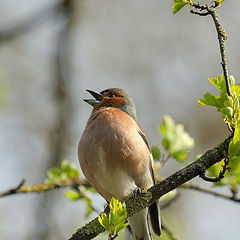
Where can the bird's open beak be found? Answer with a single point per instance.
(98, 97)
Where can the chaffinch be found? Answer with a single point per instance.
(115, 157)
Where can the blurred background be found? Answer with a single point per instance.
(51, 51)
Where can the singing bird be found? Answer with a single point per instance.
(115, 158)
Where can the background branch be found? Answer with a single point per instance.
(11, 32)
(207, 191)
(44, 187)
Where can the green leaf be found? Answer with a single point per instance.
(209, 99)
(219, 82)
(234, 149)
(179, 4)
(175, 140)
(231, 177)
(235, 166)
(234, 145)
(116, 219)
(155, 153)
(104, 221)
(227, 112)
(227, 105)
(73, 195)
(215, 169)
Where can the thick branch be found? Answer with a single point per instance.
(92, 229)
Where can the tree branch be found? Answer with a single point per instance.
(44, 187)
(13, 190)
(207, 191)
(145, 199)
(205, 10)
(13, 31)
(221, 173)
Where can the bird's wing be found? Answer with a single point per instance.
(154, 209)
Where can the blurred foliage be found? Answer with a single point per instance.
(66, 170)
(175, 141)
(156, 153)
(73, 195)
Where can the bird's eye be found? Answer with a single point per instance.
(112, 95)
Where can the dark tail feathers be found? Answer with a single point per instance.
(154, 211)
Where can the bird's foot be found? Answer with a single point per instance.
(137, 191)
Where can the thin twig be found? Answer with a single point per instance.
(13, 190)
(221, 173)
(163, 162)
(44, 187)
(204, 190)
(205, 10)
(221, 38)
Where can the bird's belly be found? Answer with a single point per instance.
(118, 185)
(110, 182)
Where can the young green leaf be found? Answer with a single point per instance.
(209, 99)
(179, 4)
(234, 145)
(219, 82)
(116, 220)
(227, 105)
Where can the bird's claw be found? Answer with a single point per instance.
(136, 192)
